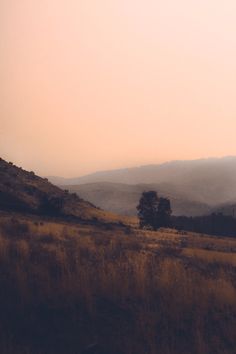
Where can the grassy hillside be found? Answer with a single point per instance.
(100, 289)
(23, 191)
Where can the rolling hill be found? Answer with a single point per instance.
(123, 198)
(69, 286)
(195, 187)
(23, 191)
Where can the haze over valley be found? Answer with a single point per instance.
(195, 187)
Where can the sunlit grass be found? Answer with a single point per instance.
(129, 291)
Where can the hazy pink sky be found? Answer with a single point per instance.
(100, 84)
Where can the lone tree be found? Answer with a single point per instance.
(148, 209)
(153, 212)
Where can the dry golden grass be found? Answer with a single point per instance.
(211, 256)
(64, 286)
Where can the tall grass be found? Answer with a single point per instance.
(89, 290)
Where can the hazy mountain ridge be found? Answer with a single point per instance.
(226, 209)
(123, 198)
(205, 186)
(178, 172)
(195, 187)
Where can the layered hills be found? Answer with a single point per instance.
(69, 286)
(123, 198)
(195, 187)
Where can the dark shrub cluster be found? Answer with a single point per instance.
(51, 205)
(214, 224)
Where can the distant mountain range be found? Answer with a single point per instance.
(195, 187)
(123, 198)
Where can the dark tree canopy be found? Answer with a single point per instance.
(147, 209)
(153, 212)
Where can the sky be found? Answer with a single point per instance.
(88, 85)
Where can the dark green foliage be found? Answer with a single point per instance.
(148, 209)
(51, 205)
(214, 224)
(154, 212)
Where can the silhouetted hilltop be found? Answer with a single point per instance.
(23, 191)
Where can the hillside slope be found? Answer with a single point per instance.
(23, 191)
(69, 288)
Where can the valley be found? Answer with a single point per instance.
(195, 188)
(78, 279)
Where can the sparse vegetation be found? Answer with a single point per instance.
(67, 287)
(23, 191)
(52, 205)
(75, 279)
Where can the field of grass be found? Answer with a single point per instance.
(72, 288)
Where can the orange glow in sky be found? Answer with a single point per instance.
(102, 84)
